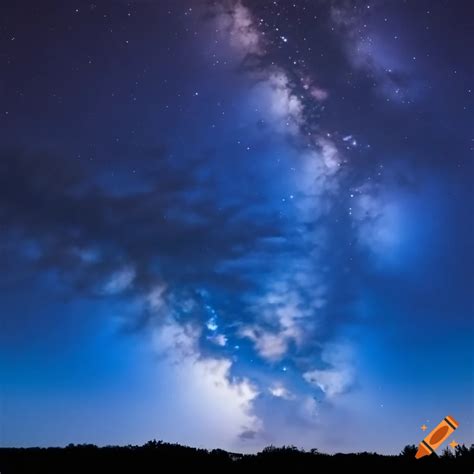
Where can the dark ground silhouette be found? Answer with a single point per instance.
(156, 456)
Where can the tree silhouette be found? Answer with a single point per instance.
(409, 451)
(447, 453)
(153, 455)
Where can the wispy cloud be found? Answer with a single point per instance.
(119, 281)
(338, 375)
(280, 391)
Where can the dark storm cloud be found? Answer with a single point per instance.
(61, 207)
(248, 434)
(178, 229)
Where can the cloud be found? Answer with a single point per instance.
(213, 398)
(119, 281)
(237, 21)
(284, 108)
(218, 339)
(211, 324)
(281, 316)
(280, 391)
(155, 299)
(248, 434)
(209, 387)
(270, 345)
(286, 315)
(331, 381)
(338, 377)
(177, 341)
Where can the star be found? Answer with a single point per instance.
(453, 444)
(424, 427)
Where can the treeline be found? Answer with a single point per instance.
(157, 456)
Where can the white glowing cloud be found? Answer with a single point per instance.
(331, 381)
(176, 341)
(212, 325)
(284, 104)
(227, 402)
(284, 109)
(210, 391)
(119, 281)
(280, 391)
(282, 313)
(338, 377)
(287, 313)
(236, 19)
(270, 345)
(218, 339)
(155, 298)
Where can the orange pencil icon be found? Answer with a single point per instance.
(437, 437)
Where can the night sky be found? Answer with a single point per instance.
(236, 223)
